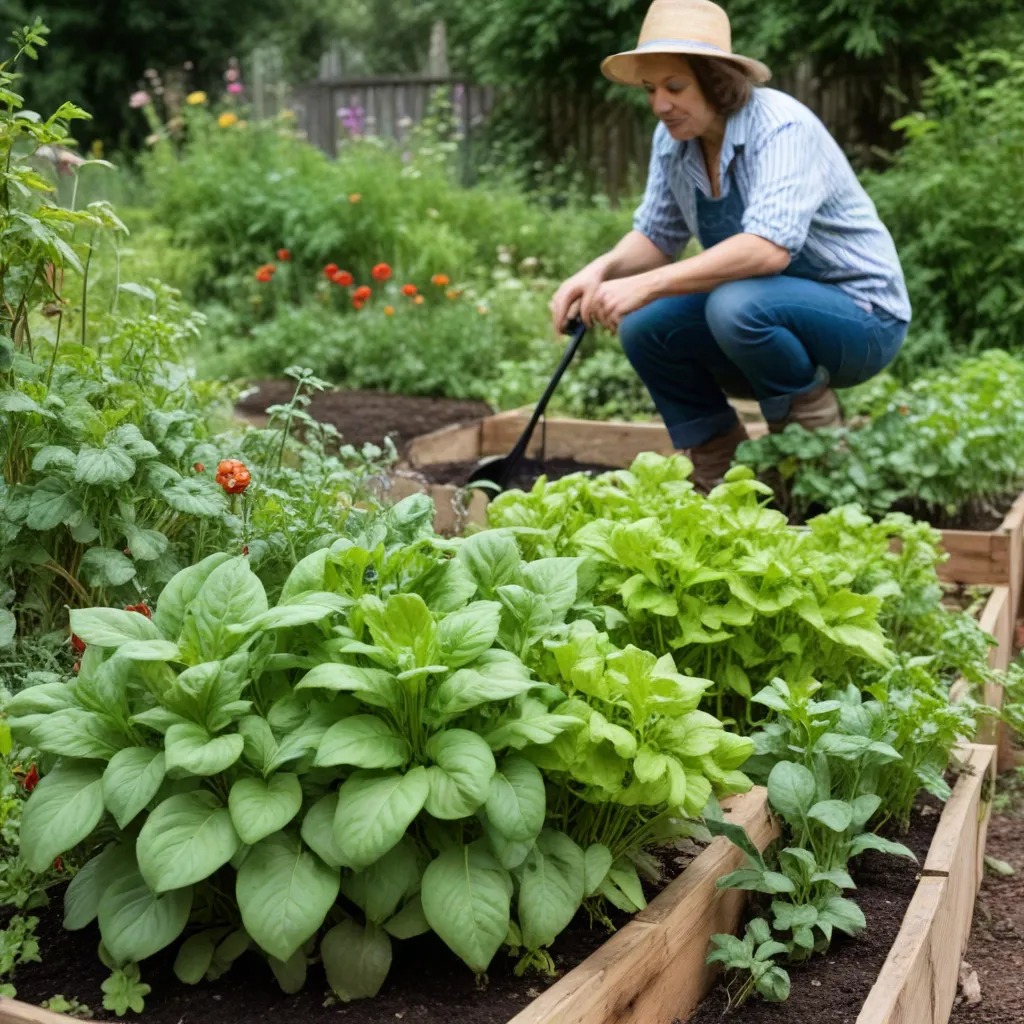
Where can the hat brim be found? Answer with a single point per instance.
(624, 68)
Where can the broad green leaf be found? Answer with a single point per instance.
(363, 741)
(259, 745)
(597, 861)
(844, 914)
(837, 877)
(50, 504)
(791, 790)
(446, 587)
(307, 575)
(291, 973)
(466, 898)
(53, 455)
(82, 897)
(461, 774)
(492, 559)
(196, 497)
(284, 893)
(191, 747)
(63, 809)
(135, 922)
(551, 888)
(8, 627)
(195, 955)
(131, 780)
(869, 841)
(554, 579)
(206, 693)
(410, 921)
(834, 814)
(40, 700)
(516, 799)
(356, 958)
(231, 594)
(145, 545)
(260, 807)
(622, 874)
(318, 830)
(73, 732)
(373, 686)
(149, 650)
(104, 567)
(110, 465)
(464, 635)
(380, 888)
(185, 840)
(180, 591)
(111, 627)
(496, 676)
(374, 810)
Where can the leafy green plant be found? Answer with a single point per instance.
(941, 448)
(383, 732)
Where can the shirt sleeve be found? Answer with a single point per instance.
(787, 185)
(659, 216)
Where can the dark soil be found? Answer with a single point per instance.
(975, 515)
(369, 416)
(963, 597)
(525, 477)
(830, 989)
(996, 948)
(427, 983)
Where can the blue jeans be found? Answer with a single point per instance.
(769, 338)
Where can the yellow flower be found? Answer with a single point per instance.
(419, 300)
(195, 98)
(227, 119)
(482, 310)
(97, 149)
(389, 310)
(452, 293)
(355, 197)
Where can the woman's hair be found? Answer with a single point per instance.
(724, 85)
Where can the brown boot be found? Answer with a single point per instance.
(711, 460)
(813, 411)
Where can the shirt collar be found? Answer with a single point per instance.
(737, 128)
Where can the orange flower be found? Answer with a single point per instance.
(265, 273)
(419, 300)
(389, 310)
(441, 280)
(342, 277)
(357, 303)
(330, 270)
(408, 289)
(355, 197)
(362, 293)
(482, 310)
(453, 293)
(284, 255)
(381, 272)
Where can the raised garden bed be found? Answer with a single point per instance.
(651, 970)
(915, 981)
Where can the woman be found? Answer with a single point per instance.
(798, 285)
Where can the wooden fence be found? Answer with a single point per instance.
(608, 142)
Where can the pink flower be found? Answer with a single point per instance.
(231, 74)
(234, 88)
(138, 99)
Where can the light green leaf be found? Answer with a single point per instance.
(374, 810)
(51, 504)
(149, 650)
(131, 780)
(551, 888)
(835, 814)
(145, 545)
(191, 747)
(111, 627)
(73, 732)
(357, 959)
(363, 741)
(202, 498)
(185, 840)
(111, 465)
(231, 594)
(8, 627)
(492, 559)
(318, 830)
(496, 676)
(291, 973)
(104, 567)
(259, 808)
(284, 893)
(63, 809)
(82, 897)
(380, 888)
(195, 955)
(410, 921)
(373, 686)
(259, 745)
(554, 579)
(53, 455)
(869, 841)
(464, 635)
(466, 898)
(596, 865)
(791, 790)
(461, 774)
(135, 922)
(516, 799)
(180, 591)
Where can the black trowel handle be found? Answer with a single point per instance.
(576, 328)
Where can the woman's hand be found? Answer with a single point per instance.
(613, 300)
(576, 295)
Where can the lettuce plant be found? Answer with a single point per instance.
(402, 743)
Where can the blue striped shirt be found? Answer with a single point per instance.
(799, 191)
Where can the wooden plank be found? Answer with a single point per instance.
(975, 557)
(459, 442)
(996, 620)
(1013, 524)
(13, 1012)
(653, 970)
(454, 507)
(917, 983)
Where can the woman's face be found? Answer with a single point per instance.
(675, 95)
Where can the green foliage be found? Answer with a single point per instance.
(940, 447)
(946, 198)
(435, 730)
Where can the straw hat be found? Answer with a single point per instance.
(696, 27)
